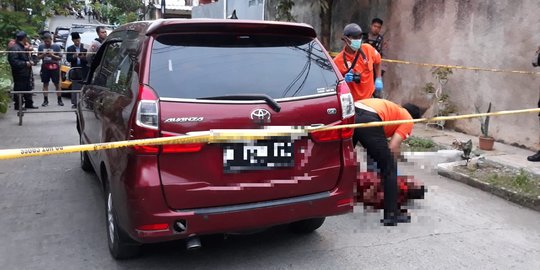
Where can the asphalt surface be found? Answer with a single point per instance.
(52, 217)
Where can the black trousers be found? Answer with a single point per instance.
(77, 84)
(376, 145)
(23, 84)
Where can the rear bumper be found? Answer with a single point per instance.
(140, 200)
(231, 219)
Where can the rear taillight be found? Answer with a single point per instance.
(180, 148)
(346, 100)
(347, 109)
(333, 134)
(347, 112)
(146, 120)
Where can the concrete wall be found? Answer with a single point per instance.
(344, 12)
(499, 34)
(360, 12)
(304, 11)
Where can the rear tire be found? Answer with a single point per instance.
(120, 245)
(307, 225)
(86, 165)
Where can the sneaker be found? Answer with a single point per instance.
(45, 103)
(74, 106)
(60, 103)
(534, 158)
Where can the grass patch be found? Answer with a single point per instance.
(518, 181)
(418, 144)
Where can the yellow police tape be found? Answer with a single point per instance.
(230, 135)
(333, 54)
(460, 67)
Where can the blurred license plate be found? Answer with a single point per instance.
(259, 155)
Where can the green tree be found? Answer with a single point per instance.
(119, 11)
(326, 21)
(284, 8)
(127, 5)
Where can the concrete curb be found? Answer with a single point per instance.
(430, 160)
(446, 170)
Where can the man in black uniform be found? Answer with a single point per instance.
(21, 69)
(375, 39)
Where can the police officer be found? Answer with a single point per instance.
(375, 39)
(382, 151)
(359, 63)
(21, 69)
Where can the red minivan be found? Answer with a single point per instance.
(170, 77)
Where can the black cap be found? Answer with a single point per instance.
(352, 29)
(75, 35)
(20, 35)
(47, 36)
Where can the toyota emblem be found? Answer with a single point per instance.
(260, 116)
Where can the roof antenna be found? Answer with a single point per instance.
(233, 15)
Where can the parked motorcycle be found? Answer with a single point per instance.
(35, 45)
(79, 15)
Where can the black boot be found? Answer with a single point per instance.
(534, 158)
(60, 103)
(45, 102)
(393, 220)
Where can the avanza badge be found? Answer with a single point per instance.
(184, 119)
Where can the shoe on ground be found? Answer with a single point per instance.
(31, 107)
(74, 106)
(45, 103)
(60, 103)
(394, 220)
(17, 108)
(534, 158)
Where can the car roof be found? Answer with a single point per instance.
(89, 27)
(220, 25)
(86, 38)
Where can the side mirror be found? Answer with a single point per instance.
(75, 74)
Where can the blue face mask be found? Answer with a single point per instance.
(355, 44)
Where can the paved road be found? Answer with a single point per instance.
(52, 217)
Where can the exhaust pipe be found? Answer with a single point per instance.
(193, 243)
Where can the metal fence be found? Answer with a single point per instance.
(21, 112)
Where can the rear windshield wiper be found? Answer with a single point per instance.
(270, 101)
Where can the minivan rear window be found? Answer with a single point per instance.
(192, 66)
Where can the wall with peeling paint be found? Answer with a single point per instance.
(500, 34)
(493, 34)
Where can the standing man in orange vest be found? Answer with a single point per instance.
(358, 63)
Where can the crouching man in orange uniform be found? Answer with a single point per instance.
(382, 151)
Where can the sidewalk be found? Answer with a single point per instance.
(508, 155)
